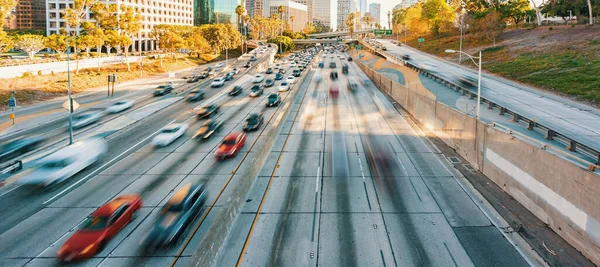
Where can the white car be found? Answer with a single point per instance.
(318, 77)
(284, 86)
(235, 70)
(259, 78)
(291, 79)
(293, 64)
(87, 118)
(120, 106)
(218, 82)
(430, 67)
(219, 65)
(66, 162)
(285, 61)
(169, 134)
(277, 66)
(331, 56)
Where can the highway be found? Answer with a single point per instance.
(572, 119)
(346, 182)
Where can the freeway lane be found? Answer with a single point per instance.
(354, 187)
(575, 120)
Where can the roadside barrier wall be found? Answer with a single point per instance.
(563, 194)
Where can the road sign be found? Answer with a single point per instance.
(66, 105)
(359, 47)
(382, 32)
(112, 78)
(11, 116)
(420, 40)
(12, 102)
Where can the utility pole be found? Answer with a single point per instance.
(461, 36)
(69, 90)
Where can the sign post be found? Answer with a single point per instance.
(12, 103)
(420, 40)
(112, 78)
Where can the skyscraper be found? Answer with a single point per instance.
(363, 7)
(375, 10)
(344, 7)
(322, 13)
(215, 11)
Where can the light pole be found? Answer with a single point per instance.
(478, 75)
(461, 34)
(69, 90)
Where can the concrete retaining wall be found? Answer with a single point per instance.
(561, 193)
(61, 66)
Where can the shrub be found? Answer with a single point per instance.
(39, 73)
(27, 75)
(550, 28)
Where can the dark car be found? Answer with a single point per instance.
(345, 69)
(193, 79)
(18, 147)
(253, 122)
(176, 216)
(256, 90)
(208, 129)
(269, 83)
(207, 111)
(406, 56)
(248, 64)
(384, 48)
(205, 75)
(349, 58)
(269, 71)
(296, 73)
(321, 64)
(332, 65)
(301, 67)
(333, 75)
(269, 45)
(252, 58)
(278, 76)
(273, 100)
(209, 69)
(282, 71)
(467, 81)
(228, 76)
(195, 96)
(236, 90)
(163, 89)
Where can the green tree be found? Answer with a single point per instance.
(438, 15)
(286, 43)
(516, 10)
(58, 43)
(6, 42)
(30, 44)
(560, 8)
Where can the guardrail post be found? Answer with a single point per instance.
(471, 96)
(502, 110)
(463, 91)
(516, 117)
(550, 135)
(491, 106)
(598, 162)
(572, 145)
(530, 125)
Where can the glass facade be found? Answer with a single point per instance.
(215, 11)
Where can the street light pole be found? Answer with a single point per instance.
(478, 76)
(69, 90)
(461, 34)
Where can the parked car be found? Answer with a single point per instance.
(169, 134)
(236, 90)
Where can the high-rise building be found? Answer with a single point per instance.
(309, 6)
(254, 7)
(323, 12)
(344, 7)
(299, 11)
(363, 6)
(30, 15)
(219, 11)
(153, 12)
(375, 10)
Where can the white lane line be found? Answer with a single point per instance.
(57, 240)
(318, 179)
(361, 169)
(278, 119)
(10, 190)
(103, 166)
(401, 165)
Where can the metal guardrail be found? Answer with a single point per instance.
(532, 125)
(10, 168)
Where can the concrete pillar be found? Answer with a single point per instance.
(572, 146)
(502, 110)
(530, 125)
(516, 117)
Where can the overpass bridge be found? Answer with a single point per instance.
(337, 34)
(321, 41)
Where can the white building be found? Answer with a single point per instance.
(324, 12)
(152, 12)
(299, 11)
(375, 10)
(344, 8)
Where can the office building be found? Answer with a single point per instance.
(362, 6)
(173, 12)
(215, 11)
(29, 15)
(345, 7)
(375, 10)
(255, 7)
(322, 13)
(299, 11)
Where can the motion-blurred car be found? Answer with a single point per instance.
(169, 134)
(248, 64)
(66, 162)
(318, 77)
(273, 100)
(236, 90)
(333, 75)
(258, 78)
(231, 145)
(195, 96)
(290, 79)
(235, 70)
(321, 64)
(163, 89)
(98, 228)
(332, 65)
(175, 217)
(269, 71)
(278, 76)
(406, 57)
(344, 68)
(218, 82)
(293, 64)
(352, 84)
(87, 118)
(253, 122)
(193, 79)
(277, 66)
(383, 48)
(427, 66)
(120, 106)
(282, 71)
(269, 83)
(349, 58)
(228, 76)
(219, 65)
(252, 58)
(467, 81)
(208, 129)
(256, 90)
(205, 75)
(18, 147)
(334, 90)
(284, 86)
(296, 73)
(207, 111)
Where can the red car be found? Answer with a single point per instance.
(334, 90)
(100, 227)
(231, 145)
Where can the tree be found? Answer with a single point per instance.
(30, 44)
(111, 40)
(240, 10)
(58, 43)
(281, 10)
(490, 26)
(75, 15)
(309, 29)
(196, 43)
(538, 11)
(438, 15)
(516, 10)
(414, 21)
(561, 8)
(286, 43)
(350, 24)
(292, 18)
(129, 24)
(6, 42)
(5, 7)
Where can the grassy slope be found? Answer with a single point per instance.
(36, 88)
(564, 60)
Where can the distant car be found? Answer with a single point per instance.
(332, 65)
(282, 71)
(467, 81)
(163, 89)
(228, 76)
(296, 73)
(278, 76)
(269, 45)
(252, 58)
(406, 57)
(352, 84)
(269, 82)
(193, 79)
(269, 71)
(176, 216)
(277, 66)
(87, 118)
(248, 64)
(334, 90)
(321, 64)
(195, 96)
(120, 106)
(284, 86)
(235, 71)
(169, 134)
(349, 58)
(208, 69)
(253, 122)
(256, 90)
(218, 82)
(66, 162)
(207, 111)
(231, 145)
(208, 129)
(18, 147)
(219, 65)
(293, 64)
(318, 77)
(344, 68)
(273, 100)
(205, 75)
(333, 75)
(383, 48)
(99, 227)
(236, 90)
(427, 66)
(259, 78)
(291, 79)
